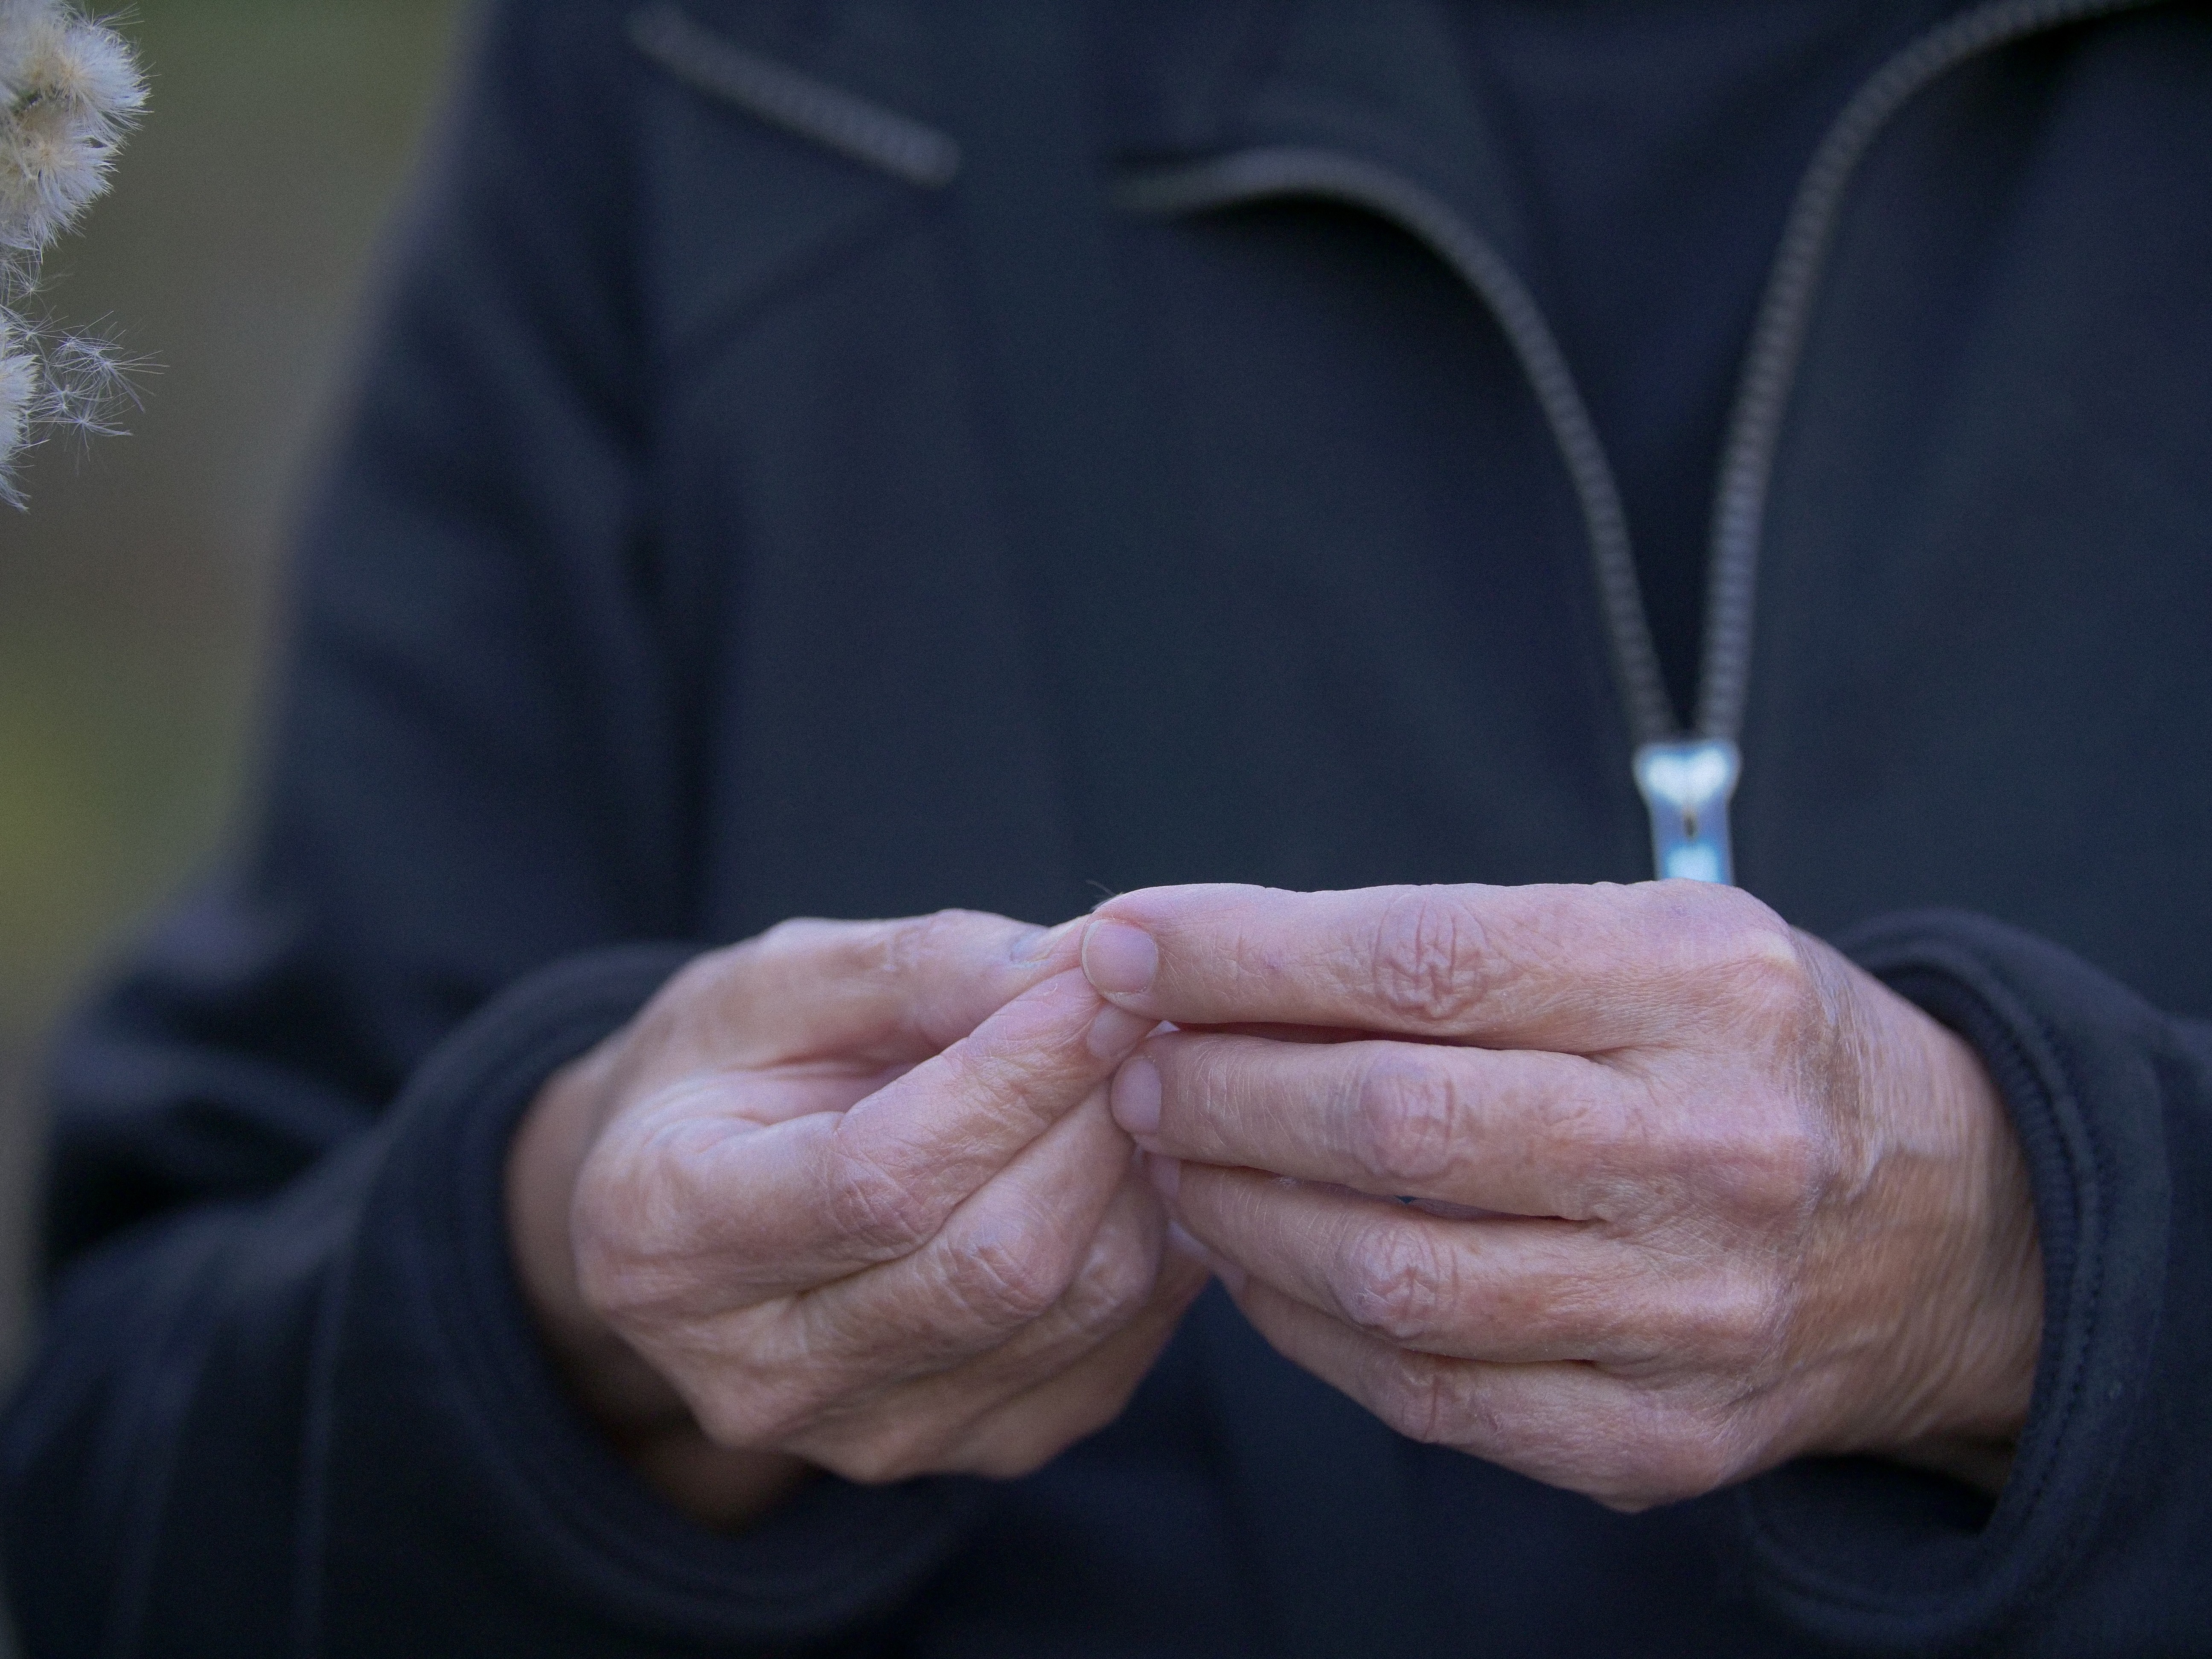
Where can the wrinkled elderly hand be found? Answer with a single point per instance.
(1692, 1196)
(849, 1196)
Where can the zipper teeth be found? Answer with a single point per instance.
(1255, 174)
(1770, 360)
(1777, 341)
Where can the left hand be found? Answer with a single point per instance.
(1693, 1195)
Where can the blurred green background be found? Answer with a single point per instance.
(135, 594)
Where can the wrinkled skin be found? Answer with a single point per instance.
(1693, 1195)
(849, 1196)
(1636, 1191)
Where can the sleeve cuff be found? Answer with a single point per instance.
(450, 1461)
(1879, 1558)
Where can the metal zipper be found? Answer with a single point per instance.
(1686, 777)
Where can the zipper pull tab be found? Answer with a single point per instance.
(1686, 786)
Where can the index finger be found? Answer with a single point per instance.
(878, 993)
(813, 1198)
(946, 1127)
(1578, 969)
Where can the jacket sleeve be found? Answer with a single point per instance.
(286, 1397)
(2099, 1541)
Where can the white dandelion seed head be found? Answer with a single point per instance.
(70, 92)
(81, 63)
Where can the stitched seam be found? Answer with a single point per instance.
(799, 104)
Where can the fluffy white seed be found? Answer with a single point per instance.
(70, 91)
(19, 393)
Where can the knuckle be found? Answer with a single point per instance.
(632, 1266)
(1112, 1288)
(881, 1459)
(1753, 958)
(1401, 1286)
(627, 1290)
(1687, 1460)
(1730, 1321)
(914, 945)
(1774, 1165)
(704, 978)
(1757, 1163)
(1003, 1283)
(874, 1206)
(795, 936)
(1415, 1395)
(1427, 960)
(730, 1419)
(1407, 1117)
(614, 1294)
(863, 1467)
(1772, 991)
(922, 948)
(1745, 1323)
(1732, 910)
(1665, 1447)
(1798, 1165)
(758, 1405)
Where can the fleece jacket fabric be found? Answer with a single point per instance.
(686, 565)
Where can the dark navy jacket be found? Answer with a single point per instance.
(741, 519)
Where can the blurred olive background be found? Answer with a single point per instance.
(136, 592)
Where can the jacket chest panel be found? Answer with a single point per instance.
(1399, 678)
(1974, 680)
(1981, 676)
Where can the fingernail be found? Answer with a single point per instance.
(1165, 1174)
(1115, 1031)
(1137, 1097)
(1120, 959)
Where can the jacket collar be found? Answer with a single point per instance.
(1387, 82)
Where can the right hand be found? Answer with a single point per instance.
(849, 1196)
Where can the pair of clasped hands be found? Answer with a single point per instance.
(1636, 1191)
